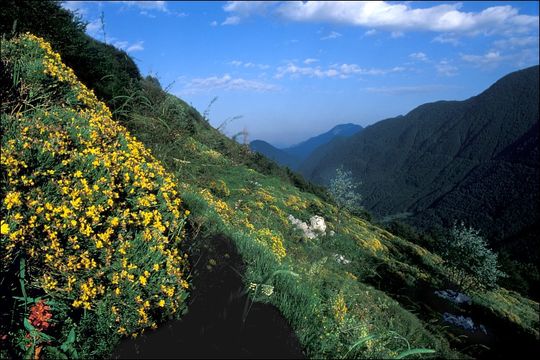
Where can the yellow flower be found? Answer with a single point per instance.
(156, 267)
(161, 303)
(4, 228)
(142, 280)
(13, 198)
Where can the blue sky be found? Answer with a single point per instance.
(295, 69)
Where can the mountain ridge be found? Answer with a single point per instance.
(439, 152)
(294, 155)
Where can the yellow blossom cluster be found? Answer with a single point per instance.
(274, 241)
(340, 308)
(219, 205)
(94, 214)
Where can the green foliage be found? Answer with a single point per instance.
(475, 160)
(472, 265)
(344, 190)
(110, 72)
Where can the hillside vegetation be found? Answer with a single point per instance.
(102, 252)
(475, 160)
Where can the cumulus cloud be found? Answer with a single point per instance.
(226, 82)
(396, 17)
(420, 56)
(332, 35)
(342, 71)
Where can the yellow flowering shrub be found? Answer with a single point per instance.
(93, 216)
(274, 241)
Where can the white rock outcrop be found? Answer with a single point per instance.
(317, 226)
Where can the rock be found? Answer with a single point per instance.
(318, 224)
(341, 259)
(453, 296)
(463, 322)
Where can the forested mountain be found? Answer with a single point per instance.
(294, 156)
(474, 160)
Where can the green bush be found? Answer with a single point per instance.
(343, 189)
(471, 264)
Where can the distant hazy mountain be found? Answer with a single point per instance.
(475, 160)
(305, 148)
(294, 155)
(271, 152)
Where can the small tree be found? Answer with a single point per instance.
(343, 190)
(472, 265)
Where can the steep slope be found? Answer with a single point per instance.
(280, 156)
(474, 160)
(91, 223)
(294, 156)
(340, 287)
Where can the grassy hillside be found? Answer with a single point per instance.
(341, 291)
(91, 221)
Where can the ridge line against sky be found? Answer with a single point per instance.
(296, 69)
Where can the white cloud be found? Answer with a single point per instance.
(446, 39)
(394, 16)
(214, 23)
(126, 46)
(396, 34)
(445, 68)
(248, 65)
(515, 42)
(247, 8)
(147, 14)
(402, 90)
(93, 28)
(420, 56)
(342, 71)
(231, 20)
(75, 6)
(228, 83)
(332, 35)
(310, 61)
(489, 58)
(370, 32)
(138, 46)
(148, 5)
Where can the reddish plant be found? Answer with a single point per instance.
(40, 315)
